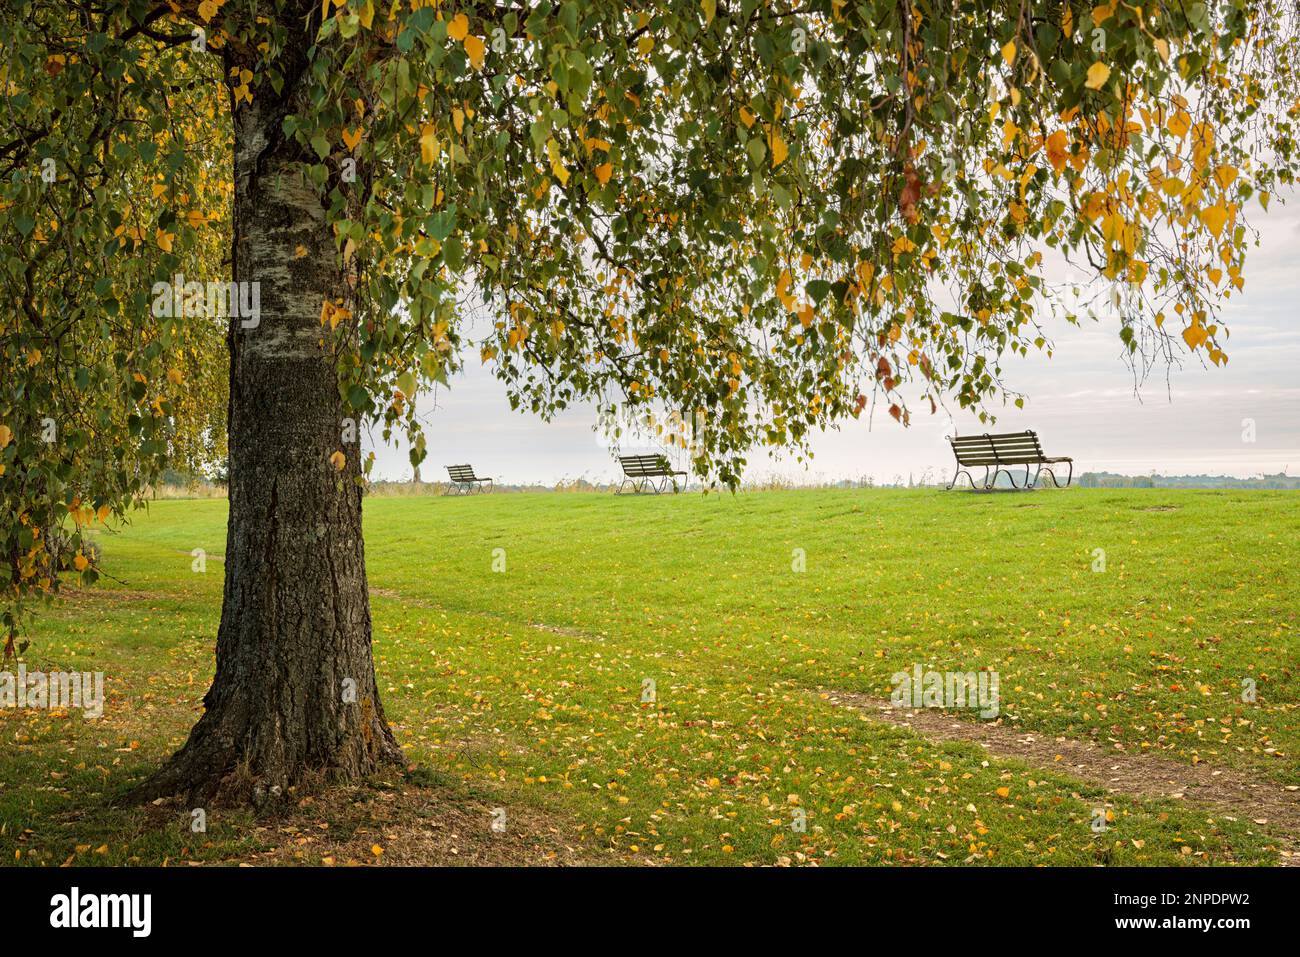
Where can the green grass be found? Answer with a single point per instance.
(526, 685)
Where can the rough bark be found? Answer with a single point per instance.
(295, 632)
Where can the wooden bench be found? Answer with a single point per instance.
(995, 452)
(464, 481)
(643, 470)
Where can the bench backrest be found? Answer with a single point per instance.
(988, 449)
(642, 466)
(462, 473)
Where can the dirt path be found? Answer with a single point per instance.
(1227, 790)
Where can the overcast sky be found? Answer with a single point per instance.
(1082, 402)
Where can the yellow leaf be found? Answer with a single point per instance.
(195, 218)
(603, 172)
(1202, 144)
(338, 460)
(458, 119)
(351, 137)
(299, 252)
(80, 562)
(557, 162)
(710, 9)
(1162, 48)
(1004, 792)
(164, 239)
(645, 45)
(1194, 335)
(6, 435)
(475, 48)
(777, 145)
(458, 29)
(746, 117)
(1215, 217)
(1225, 176)
(174, 376)
(376, 850)
(1098, 74)
(1058, 150)
(367, 14)
(783, 290)
(428, 145)
(1009, 52)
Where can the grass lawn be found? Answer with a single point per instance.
(522, 689)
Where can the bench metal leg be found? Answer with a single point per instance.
(657, 484)
(969, 478)
(1055, 481)
(994, 481)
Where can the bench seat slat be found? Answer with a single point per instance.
(463, 474)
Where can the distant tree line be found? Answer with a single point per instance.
(1111, 480)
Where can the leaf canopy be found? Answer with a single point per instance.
(747, 219)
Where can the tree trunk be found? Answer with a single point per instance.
(294, 697)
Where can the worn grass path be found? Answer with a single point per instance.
(640, 681)
(1222, 790)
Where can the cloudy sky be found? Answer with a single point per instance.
(1083, 402)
